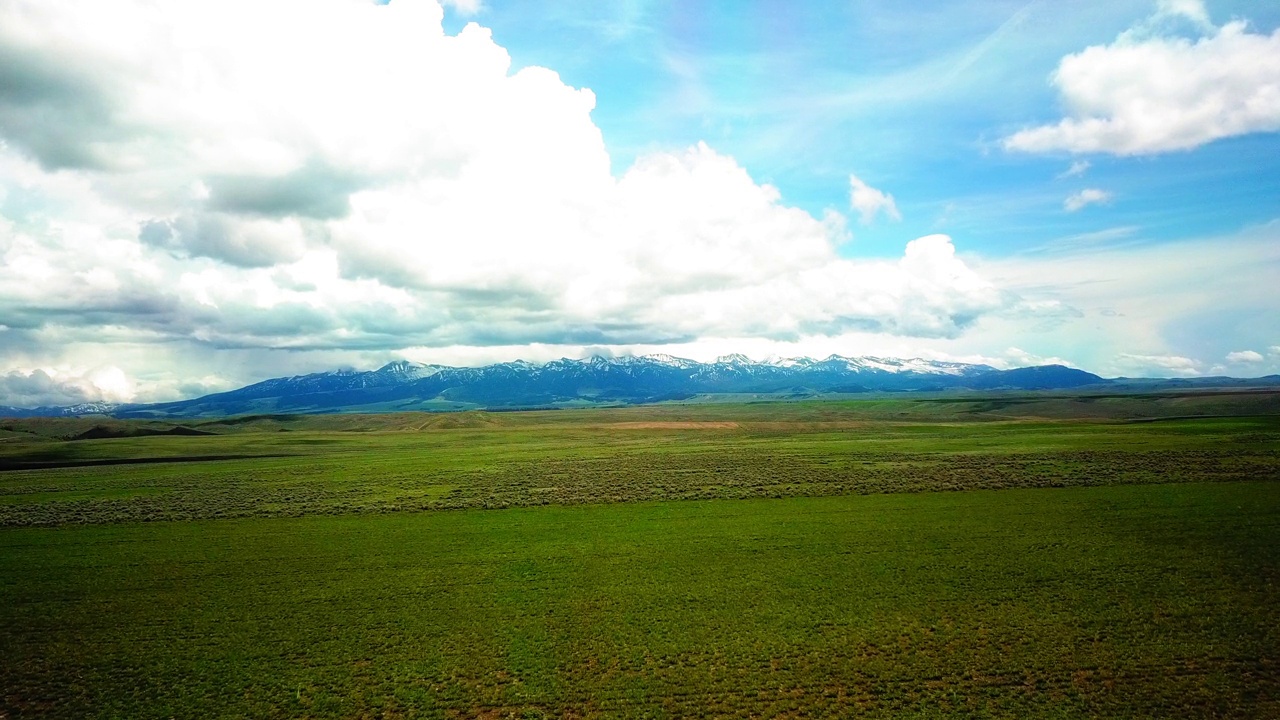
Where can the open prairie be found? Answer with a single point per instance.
(1092, 556)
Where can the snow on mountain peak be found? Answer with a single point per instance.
(670, 360)
(789, 362)
(409, 369)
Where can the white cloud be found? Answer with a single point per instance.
(1192, 10)
(1077, 169)
(464, 7)
(1088, 196)
(869, 201)
(1017, 357)
(1158, 365)
(1150, 92)
(1244, 356)
(1273, 350)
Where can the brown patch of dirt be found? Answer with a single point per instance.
(675, 425)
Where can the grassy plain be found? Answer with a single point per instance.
(1125, 564)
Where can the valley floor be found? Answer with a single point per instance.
(347, 566)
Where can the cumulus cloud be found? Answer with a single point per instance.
(1088, 196)
(215, 175)
(929, 292)
(869, 201)
(1244, 356)
(1154, 91)
(43, 387)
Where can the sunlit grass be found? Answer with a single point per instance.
(1119, 601)
(653, 562)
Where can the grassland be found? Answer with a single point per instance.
(1124, 565)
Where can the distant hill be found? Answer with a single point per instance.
(404, 385)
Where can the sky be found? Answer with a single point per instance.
(196, 196)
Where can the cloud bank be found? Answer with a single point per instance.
(341, 175)
(61, 387)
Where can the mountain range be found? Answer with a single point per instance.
(404, 385)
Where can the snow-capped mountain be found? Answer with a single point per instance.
(405, 370)
(670, 360)
(87, 408)
(917, 365)
(626, 379)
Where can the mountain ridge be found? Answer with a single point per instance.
(403, 384)
(600, 380)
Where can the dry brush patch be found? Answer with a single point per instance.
(190, 491)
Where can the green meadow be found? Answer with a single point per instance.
(1009, 556)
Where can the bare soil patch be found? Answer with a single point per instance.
(675, 425)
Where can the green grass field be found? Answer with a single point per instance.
(779, 560)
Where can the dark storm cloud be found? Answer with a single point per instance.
(59, 115)
(316, 190)
(22, 390)
(137, 307)
(220, 237)
(18, 342)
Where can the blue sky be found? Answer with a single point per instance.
(196, 196)
(911, 97)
